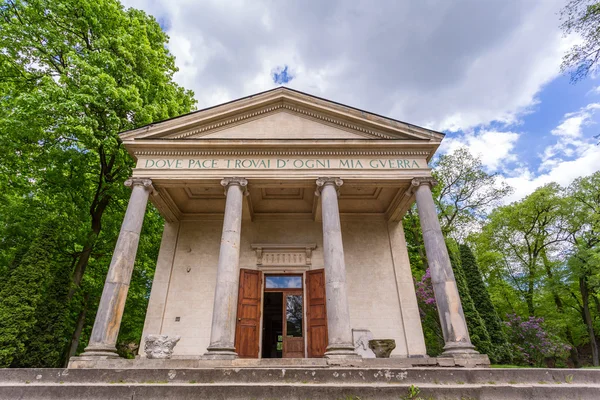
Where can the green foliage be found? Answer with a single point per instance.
(477, 330)
(485, 307)
(50, 334)
(465, 191)
(73, 74)
(539, 259)
(22, 295)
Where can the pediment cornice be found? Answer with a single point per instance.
(201, 123)
(282, 106)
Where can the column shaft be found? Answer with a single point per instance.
(103, 339)
(338, 313)
(452, 318)
(222, 334)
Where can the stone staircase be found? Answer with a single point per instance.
(303, 382)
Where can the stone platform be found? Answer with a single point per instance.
(468, 360)
(300, 382)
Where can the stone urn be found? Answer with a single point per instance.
(382, 347)
(160, 346)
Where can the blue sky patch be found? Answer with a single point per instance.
(281, 75)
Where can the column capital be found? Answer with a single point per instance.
(324, 181)
(236, 181)
(145, 182)
(416, 182)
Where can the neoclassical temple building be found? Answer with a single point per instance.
(283, 232)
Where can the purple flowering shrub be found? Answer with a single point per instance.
(424, 290)
(532, 344)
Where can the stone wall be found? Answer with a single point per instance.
(378, 277)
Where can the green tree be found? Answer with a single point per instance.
(23, 293)
(477, 330)
(74, 74)
(584, 260)
(483, 304)
(465, 191)
(522, 232)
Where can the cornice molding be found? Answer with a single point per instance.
(280, 153)
(206, 129)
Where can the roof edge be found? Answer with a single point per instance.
(282, 89)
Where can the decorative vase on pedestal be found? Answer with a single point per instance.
(382, 347)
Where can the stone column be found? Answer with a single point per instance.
(222, 331)
(452, 318)
(103, 339)
(338, 314)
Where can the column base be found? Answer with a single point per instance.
(452, 348)
(341, 351)
(220, 353)
(467, 360)
(104, 351)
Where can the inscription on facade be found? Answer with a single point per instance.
(281, 163)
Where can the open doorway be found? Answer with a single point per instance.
(272, 342)
(283, 317)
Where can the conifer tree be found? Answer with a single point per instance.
(483, 303)
(477, 330)
(22, 294)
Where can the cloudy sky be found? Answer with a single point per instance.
(485, 72)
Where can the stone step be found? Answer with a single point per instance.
(289, 391)
(304, 375)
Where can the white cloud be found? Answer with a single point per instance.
(449, 65)
(562, 172)
(573, 122)
(573, 155)
(495, 148)
(570, 142)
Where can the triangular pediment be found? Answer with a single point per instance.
(281, 114)
(282, 125)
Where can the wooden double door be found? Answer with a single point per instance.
(292, 309)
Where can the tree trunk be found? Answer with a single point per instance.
(529, 295)
(82, 263)
(96, 210)
(74, 344)
(597, 302)
(588, 319)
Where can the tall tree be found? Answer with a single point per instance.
(23, 294)
(483, 304)
(465, 192)
(584, 262)
(75, 73)
(521, 232)
(477, 330)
